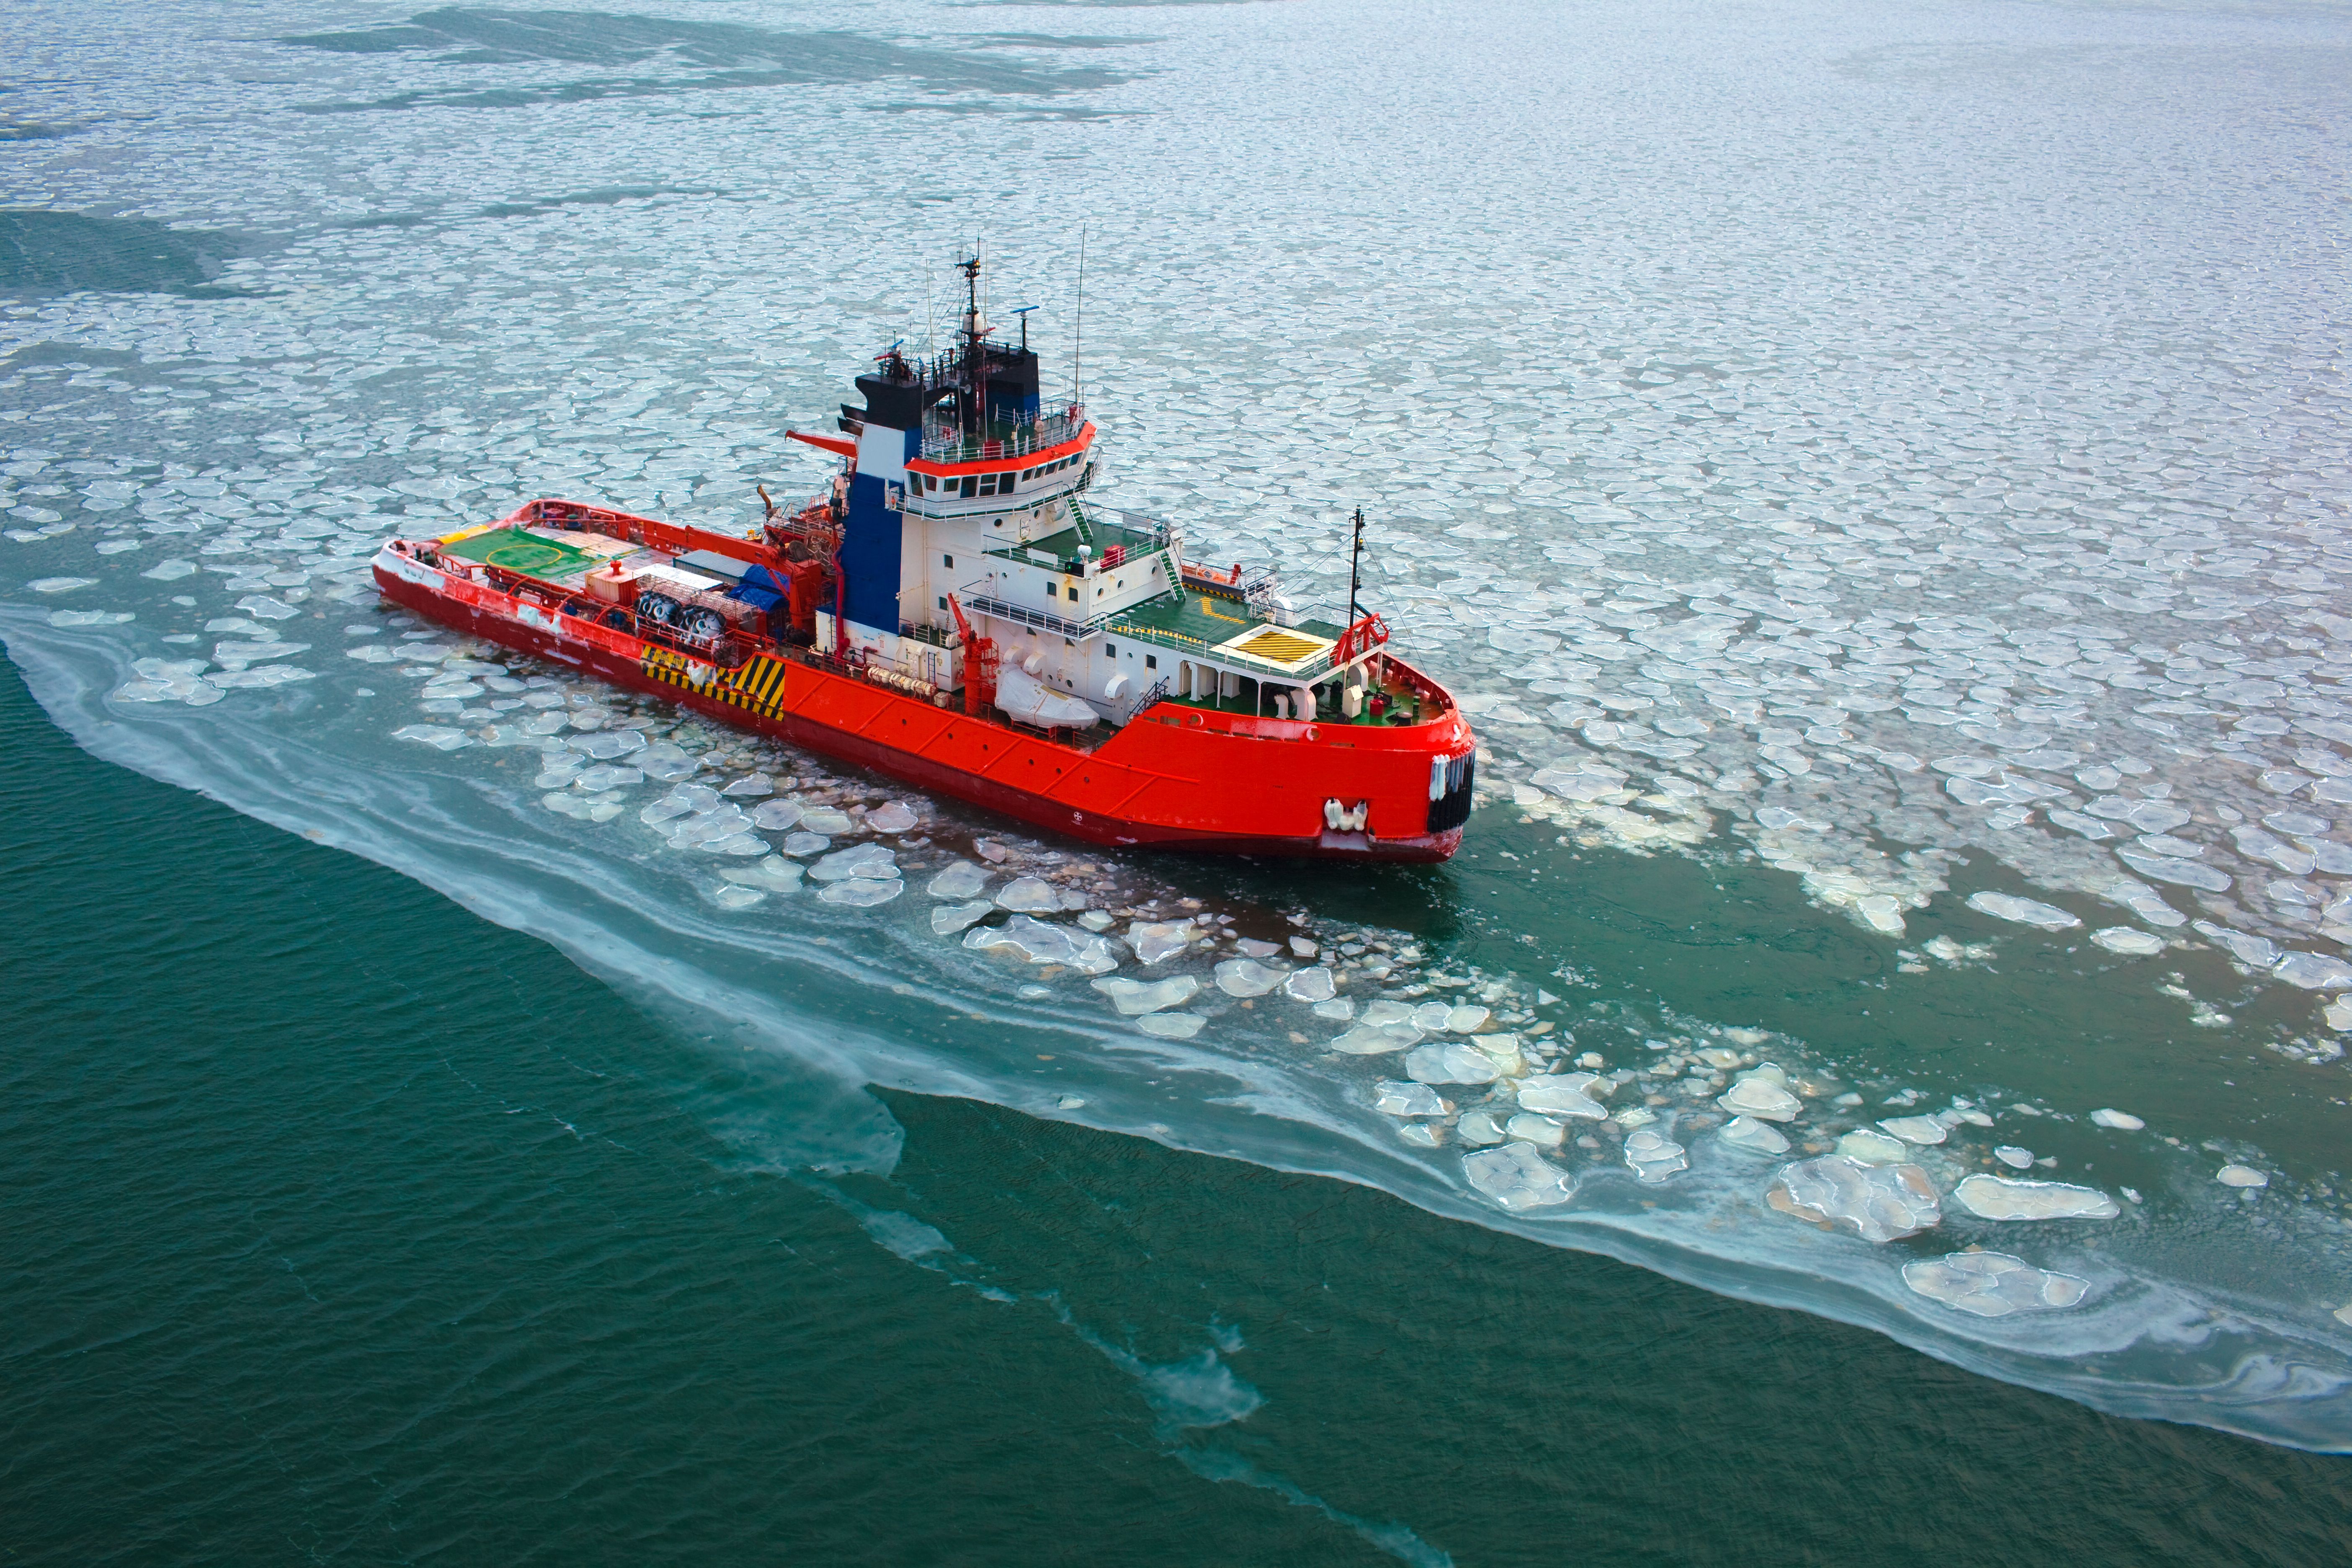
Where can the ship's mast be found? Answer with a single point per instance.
(1355, 564)
(973, 361)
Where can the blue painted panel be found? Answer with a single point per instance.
(871, 545)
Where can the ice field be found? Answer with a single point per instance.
(1889, 468)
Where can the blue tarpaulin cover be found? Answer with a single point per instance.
(759, 587)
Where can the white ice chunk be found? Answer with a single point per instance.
(1247, 977)
(776, 815)
(1155, 940)
(2122, 1119)
(1873, 1147)
(1516, 1178)
(1033, 940)
(1134, 998)
(2240, 1176)
(606, 745)
(751, 786)
(2129, 940)
(1992, 1284)
(2314, 972)
(1029, 894)
(2025, 912)
(1759, 1137)
(860, 893)
(1377, 1040)
(2015, 1158)
(1563, 1094)
(439, 737)
(824, 819)
(772, 873)
(1652, 1156)
(1540, 1130)
(1313, 984)
(1923, 1130)
(1171, 1025)
(957, 879)
(665, 762)
(2005, 1197)
(949, 919)
(863, 860)
(891, 816)
(62, 585)
(1403, 1099)
(1758, 1096)
(1451, 1064)
(1877, 1203)
(1466, 1019)
(1479, 1128)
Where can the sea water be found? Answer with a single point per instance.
(1875, 480)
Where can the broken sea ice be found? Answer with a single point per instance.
(1992, 1284)
(2003, 1197)
(1877, 1203)
(1517, 1178)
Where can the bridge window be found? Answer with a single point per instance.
(950, 559)
(1150, 661)
(971, 486)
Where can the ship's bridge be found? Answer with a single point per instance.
(955, 473)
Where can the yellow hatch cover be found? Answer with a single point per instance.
(1276, 645)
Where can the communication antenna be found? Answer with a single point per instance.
(1078, 335)
(930, 321)
(1023, 312)
(1355, 564)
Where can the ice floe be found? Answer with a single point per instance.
(1563, 1094)
(1450, 1064)
(2024, 911)
(1247, 977)
(1398, 1098)
(1756, 1137)
(1877, 1203)
(1762, 1095)
(2005, 1197)
(1652, 1156)
(1992, 1284)
(1517, 1178)
(1134, 998)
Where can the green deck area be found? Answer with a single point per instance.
(549, 560)
(1091, 532)
(1199, 623)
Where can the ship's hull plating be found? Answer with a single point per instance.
(1175, 778)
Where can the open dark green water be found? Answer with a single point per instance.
(340, 1226)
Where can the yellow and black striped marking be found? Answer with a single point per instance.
(758, 684)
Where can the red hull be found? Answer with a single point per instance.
(1177, 777)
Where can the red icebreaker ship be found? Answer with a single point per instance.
(953, 612)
